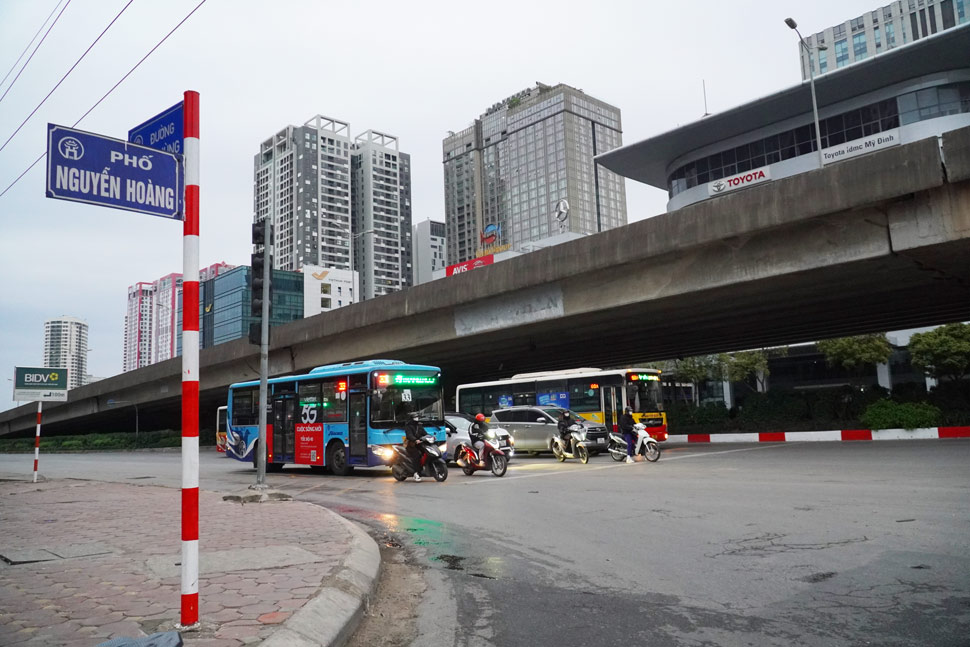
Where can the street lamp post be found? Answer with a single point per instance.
(811, 81)
(353, 239)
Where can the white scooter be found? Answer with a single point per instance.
(644, 445)
(562, 452)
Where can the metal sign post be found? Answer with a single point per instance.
(40, 409)
(190, 368)
(176, 131)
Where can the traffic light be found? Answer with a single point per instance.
(258, 264)
(259, 233)
(260, 289)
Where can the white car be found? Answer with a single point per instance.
(458, 425)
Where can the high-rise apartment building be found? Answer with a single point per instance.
(139, 326)
(66, 346)
(430, 250)
(302, 181)
(382, 233)
(165, 330)
(524, 171)
(337, 202)
(407, 248)
(879, 31)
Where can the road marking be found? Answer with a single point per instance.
(729, 451)
(614, 465)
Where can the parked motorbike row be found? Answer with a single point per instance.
(497, 451)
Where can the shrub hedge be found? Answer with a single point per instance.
(887, 414)
(844, 408)
(103, 441)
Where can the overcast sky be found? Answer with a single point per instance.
(412, 69)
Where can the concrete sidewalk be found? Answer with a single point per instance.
(84, 561)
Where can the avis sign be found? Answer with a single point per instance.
(32, 384)
(89, 168)
(469, 265)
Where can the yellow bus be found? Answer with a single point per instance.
(596, 394)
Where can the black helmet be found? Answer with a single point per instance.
(414, 415)
(565, 414)
(628, 410)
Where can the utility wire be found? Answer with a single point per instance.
(17, 62)
(189, 15)
(66, 75)
(35, 50)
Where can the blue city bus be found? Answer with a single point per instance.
(335, 416)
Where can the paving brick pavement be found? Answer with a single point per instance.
(85, 561)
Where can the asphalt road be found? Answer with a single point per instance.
(790, 544)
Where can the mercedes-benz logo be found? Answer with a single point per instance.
(562, 210)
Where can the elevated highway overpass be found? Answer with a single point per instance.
(876, 243)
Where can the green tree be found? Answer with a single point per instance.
(943, 352)
(854, 354)
(697, 370)
(750, 367)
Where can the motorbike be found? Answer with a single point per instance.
(561, 451)
(644, 445)
(432, 460)
(496, 451)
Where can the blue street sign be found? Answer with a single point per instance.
(84, 167)
(163, 131)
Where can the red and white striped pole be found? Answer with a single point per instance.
(40, 403)
(190, 366)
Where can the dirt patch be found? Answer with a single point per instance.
(391, 618)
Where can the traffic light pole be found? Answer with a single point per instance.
(263, 359)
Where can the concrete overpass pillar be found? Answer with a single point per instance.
(883, 376)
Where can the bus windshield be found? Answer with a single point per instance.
(643, 393)
(394, 395)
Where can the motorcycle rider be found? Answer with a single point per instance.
(476, 434)
(565, 422)
(413, 432)
(626, 425)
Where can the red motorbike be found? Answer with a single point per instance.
(496, 450)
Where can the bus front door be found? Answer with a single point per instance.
(358, 425)
(284, 433)
(609, 408)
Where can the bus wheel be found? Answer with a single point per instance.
(337, 459)
(256, 455)
(274, 467)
